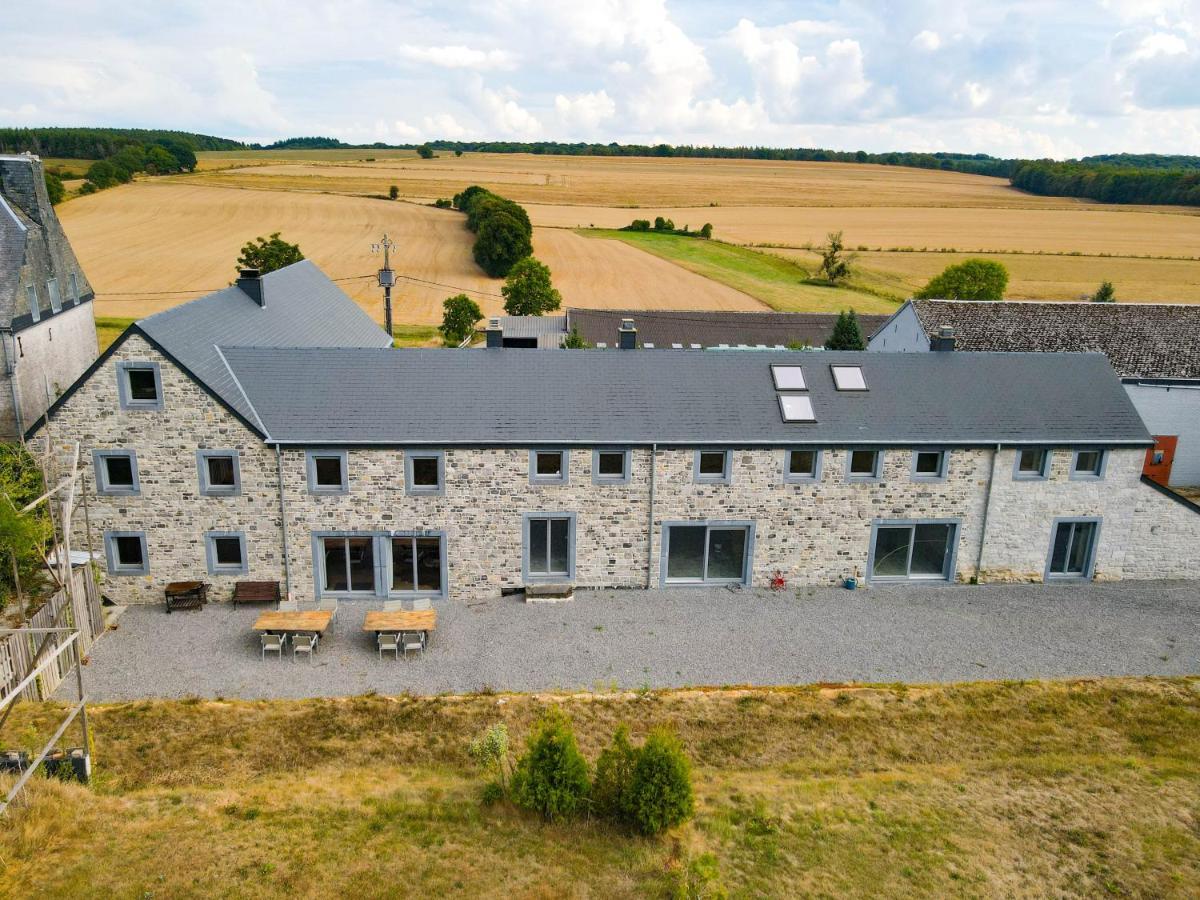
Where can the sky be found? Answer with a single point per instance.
(1023, 78)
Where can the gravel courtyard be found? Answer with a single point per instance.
(628, 639)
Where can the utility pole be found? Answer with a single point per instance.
(387, 278)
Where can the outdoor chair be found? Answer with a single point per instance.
(304, 643)
(393, 605)
(412, 640)
(272, 642)
(289, 606)
(388, 640)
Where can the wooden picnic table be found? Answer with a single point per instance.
(401, 620)
(305, 620)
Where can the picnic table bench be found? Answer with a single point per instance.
(185, 595)
(400, 620)
(255, 592)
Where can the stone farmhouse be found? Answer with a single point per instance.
(47, 329)
(269, 432)
(1154, 348)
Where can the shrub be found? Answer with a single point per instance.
(23, 536)
(442, 203)
(552, 777)
(706, 230)
(971, 279)
(661, 224)
(614, 774)
(574, 340)
(55, 189)
(490, 751)
(846, 334)
(528, 290)
(458, 153)
(425, 151)
(660, 789)
(493, 793)
(638, 225)
(1105, 293)
(393, 192)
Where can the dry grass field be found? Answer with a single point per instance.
(1082, 789)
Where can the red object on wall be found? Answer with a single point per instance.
(1159, 458)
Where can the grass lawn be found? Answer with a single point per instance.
(778, 282)
(991, 789)
(109, 328)
(416, 335)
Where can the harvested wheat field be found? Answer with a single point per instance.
(179, 240)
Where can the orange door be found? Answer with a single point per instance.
(1159, 458)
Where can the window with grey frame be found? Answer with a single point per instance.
(929, 465)
(125, 552)
(348, 564)
(610, 465)
(548, 466)
(706, 552)
(1073, 548)
(116, 473)
(549, 546)
(424, 472)
(802, 464)
(417, 563)
(713, 466)
(327, 472)
(864, 465)
(1088, 465)
(913, 551)
(139, 385)
(226, 553)
(220, 472)
(1033, 464)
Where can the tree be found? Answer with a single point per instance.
(425, 151)
(574, 340)
(23, 536)
(501, 241)
(458, 153)
(834, 265)
(160, 161)
(971, 279)
(1105, 293)
(54, 187)
(269, 254)
(846, 334)
(459, 315)
(552, 777)
(393, 192)
(706, 230)
(528, 291)
(660, 789)
(614, 775)
(103, 174)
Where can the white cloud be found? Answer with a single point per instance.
(506, 116)
(927, 41)
(584, 111)
(458, 57)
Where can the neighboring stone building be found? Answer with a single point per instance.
(47, 328)
(1154, 348)
(366, 472)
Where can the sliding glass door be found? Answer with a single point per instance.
(910, 551)
(1073, 548)
(703, 553)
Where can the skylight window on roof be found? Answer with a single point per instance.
(849, 378)
(788, 378)
(797, 408)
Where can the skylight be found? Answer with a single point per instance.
(849, 378)
(788, 378)
(797, 408)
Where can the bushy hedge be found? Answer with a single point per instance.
(503, 232)
(666, 226)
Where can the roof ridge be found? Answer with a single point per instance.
(262, 425)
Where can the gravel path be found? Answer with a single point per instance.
(628, 639)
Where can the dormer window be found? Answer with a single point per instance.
(139, 385)
(848, 378)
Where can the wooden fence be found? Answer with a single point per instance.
(19, 652)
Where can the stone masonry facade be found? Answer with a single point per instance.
(810, 533)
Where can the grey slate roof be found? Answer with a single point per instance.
(13, 237)
(532, 326)
(303, 309)
(663, 327)
(1142, 340)
(490, 397)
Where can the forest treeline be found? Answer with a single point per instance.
(1109, 183)
(101, 143)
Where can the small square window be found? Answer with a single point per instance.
(1088, 464)
(797, 408)
(327, 472)
(226, 552)
(788, 378)
(126, 553)
(220, 472)
(116, 472)
(424, 472)
(802, 465)
(848, 378)
(548, 467)
(610, 466)
(929, 465)
(1033, 464)
(712, 466)
(864, 465)
(139, 385)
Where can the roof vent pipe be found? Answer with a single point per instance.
(627, 335)
(494, 334)
(251, 283)
(944, 340)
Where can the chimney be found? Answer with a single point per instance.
(627, 335)
(494, 334)
(944, 339)
(250, 281)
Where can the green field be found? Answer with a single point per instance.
(109, 328)
(783, 284)
(1080, 789)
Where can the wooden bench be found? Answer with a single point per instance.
(186, 595)
(255, 592)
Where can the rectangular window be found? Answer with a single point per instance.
(1073, 548)
(848, 378)
(1088, 465)
(548, 466)
(55, 296)
(712, 467)
(220, 472)
(327, 472)
(929, 465)
(125, 552)
(610, 466)
(425, 472)
(139, 385)
(31, 296)
(797, 408)
(348, 565)
(707, 552)
(226, 553)
(788, 378)
(913, 551)
(1033, 464)
(549, 546)
(74, 289)
(864, 465)
(116, 472)
(801, 465)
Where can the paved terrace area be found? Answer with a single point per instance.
(630, 639)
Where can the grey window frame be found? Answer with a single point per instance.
(1089, 572)
(423, 490)
(110, 553)
(74, 288)
(943, 470)
(1043, 474)
(950, 570)
(709, 524)
(818, 463)
(783, 414)
(876, 475)
(54, 294)
(210, 553)
(726, 476)
(1089, 476)
(123, 392)
(627, 461)
(381, 548)
(208, 490)
(848, 390)
(35, 312)
(775, 377)
(310, 469)
(563, 477)
(385, 545)
(529, 577)
(103, 488)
